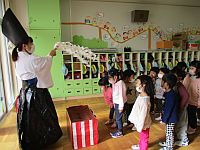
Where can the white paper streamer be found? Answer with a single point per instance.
(84, 54)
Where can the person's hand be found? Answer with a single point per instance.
(56, 46)
(120, 110)
(52, 52)
(187, 75)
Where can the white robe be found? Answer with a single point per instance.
(32, 66)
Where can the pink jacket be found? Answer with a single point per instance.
(107, 94)
(119, 93)
(193, 87)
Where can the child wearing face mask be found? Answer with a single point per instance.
(128, 78)
(170, 109)
(140, 114)
(107, 94)
(119, 98)
(154, 75)
(181, 126)
(192, 84)
(159, 92)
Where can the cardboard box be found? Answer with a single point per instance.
(180, 44)
(180, 36)
(164, 44)
(82, 126)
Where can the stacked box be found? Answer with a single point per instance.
(82, 126)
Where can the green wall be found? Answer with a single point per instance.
(44, 25)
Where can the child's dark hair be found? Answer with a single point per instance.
(164, 70)
(196, 64)
(170, 79)
(149, 86)
(18, 48)
(127, 73)
(178, 72)
(103, 81)
(155, 69)
(113, 72)
(181, 65)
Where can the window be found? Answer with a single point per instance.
(6, 82)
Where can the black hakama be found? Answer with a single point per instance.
(37, 120)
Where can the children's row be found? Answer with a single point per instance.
(175, 94)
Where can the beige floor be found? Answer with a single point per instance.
(8, 135)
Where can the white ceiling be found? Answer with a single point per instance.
(194, 3)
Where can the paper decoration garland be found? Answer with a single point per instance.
(84, 54)
(129, 33)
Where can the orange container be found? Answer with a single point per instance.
(164, 44)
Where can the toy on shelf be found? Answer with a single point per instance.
(77, 75)
(94, 70)
(86, 71)
(103, 58)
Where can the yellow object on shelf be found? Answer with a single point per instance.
(102, 68)
(94, 69)
(148, 66)
(84, 69)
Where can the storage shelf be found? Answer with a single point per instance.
(135, 59)
(66, 62)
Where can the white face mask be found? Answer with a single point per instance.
(160, 75)
(111, 81)
(138, 89)
(191, 72)
(102, 88)
(32, 49)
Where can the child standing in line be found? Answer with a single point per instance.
(192, 84)
(128, 77)
(107, 93)
(140, 114)
(159, 92)
(170, 110)
(182, 124)
(119, 98)
(154, 75)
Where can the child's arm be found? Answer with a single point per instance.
(198, 92)
(122, 93)
(142, 116)
(186, 81)
(184, 96)
(110, 97)
(168, 108)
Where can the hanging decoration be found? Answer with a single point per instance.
(84, 54)
(129, 33)
(106, 37)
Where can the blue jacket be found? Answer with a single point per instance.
(170, 108)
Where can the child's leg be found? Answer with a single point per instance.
(170, 135)
(192, 118)
(111, 114)
(144, 139)
(118, 116)
(198, 113)
(129, 109)
(152, 105)
(181, 128)
(125, 112)
(159, 105)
